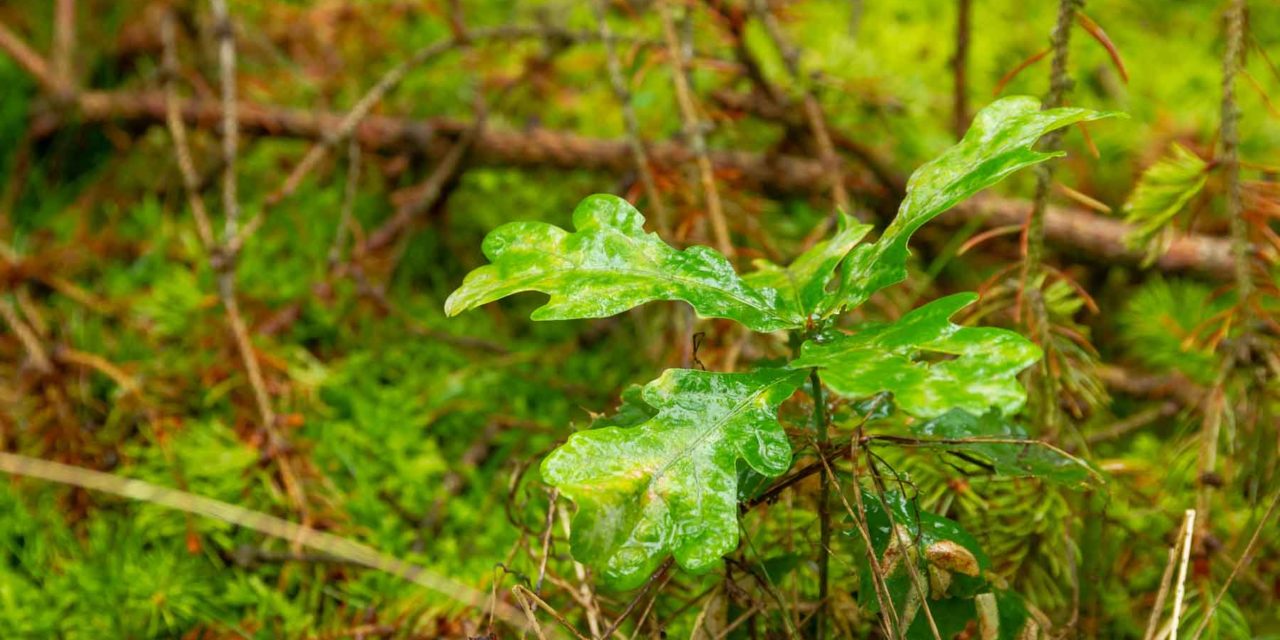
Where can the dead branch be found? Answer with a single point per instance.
(1086, 234)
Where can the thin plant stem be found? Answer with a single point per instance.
(623, 94)
(1181, 590)
(693, 130)
(1059, 84)
(1235, 569)
(824, 511)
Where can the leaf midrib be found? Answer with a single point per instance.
(716, 426)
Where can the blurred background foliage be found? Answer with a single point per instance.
(420, 436)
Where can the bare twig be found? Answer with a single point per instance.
(1230, 160)
(1166, 581)
(888, 611)
(345, 218)
(178, 129)
(230, 123)
(824, 506)
(127, 383)
(64, 39)
(523, 591)
(1180, 590)
(913, 571)
(634, 140)
(222, 258)
(658, 576)
(813, 114)
(1038, 318)
(1133, 422)
(1089, 236)
(546, 540)
(693, 129)
(28, 59)
(428, 194)
(28, 338)
(585, 594)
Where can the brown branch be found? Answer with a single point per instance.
(64, 38)
(1037, 321)
(1230, 162)
(28, 59)
(880, 169)
(1089, 236)
(28, 338)
(429, 192)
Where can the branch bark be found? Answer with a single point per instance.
(1087, 235)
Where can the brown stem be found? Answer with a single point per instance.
(221, 257)
(1089, 236)
(693, 130)
(64, 38)
(824, 504)
(1230, 160)
(634, 140)
(1033, 268)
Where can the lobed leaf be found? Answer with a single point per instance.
(1000, 141)
(1019, 459)
(802, 286)
(608, 265)
(669, 485)
(982, 374)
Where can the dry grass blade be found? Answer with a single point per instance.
(328, 543)
(1235, 569)
(1189, 529)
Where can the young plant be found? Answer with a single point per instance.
(661, 479)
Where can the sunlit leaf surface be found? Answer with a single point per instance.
(609, 264)
(978, 371)
(668, 486)
(802, 285)
(1000, 141)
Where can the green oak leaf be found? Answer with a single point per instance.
(981, 374)
(631, 411)
(608, 265)
(1000, 141)
(802, 286)
(669, 484)
(1029, 459)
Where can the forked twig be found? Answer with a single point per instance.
(222, 257)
